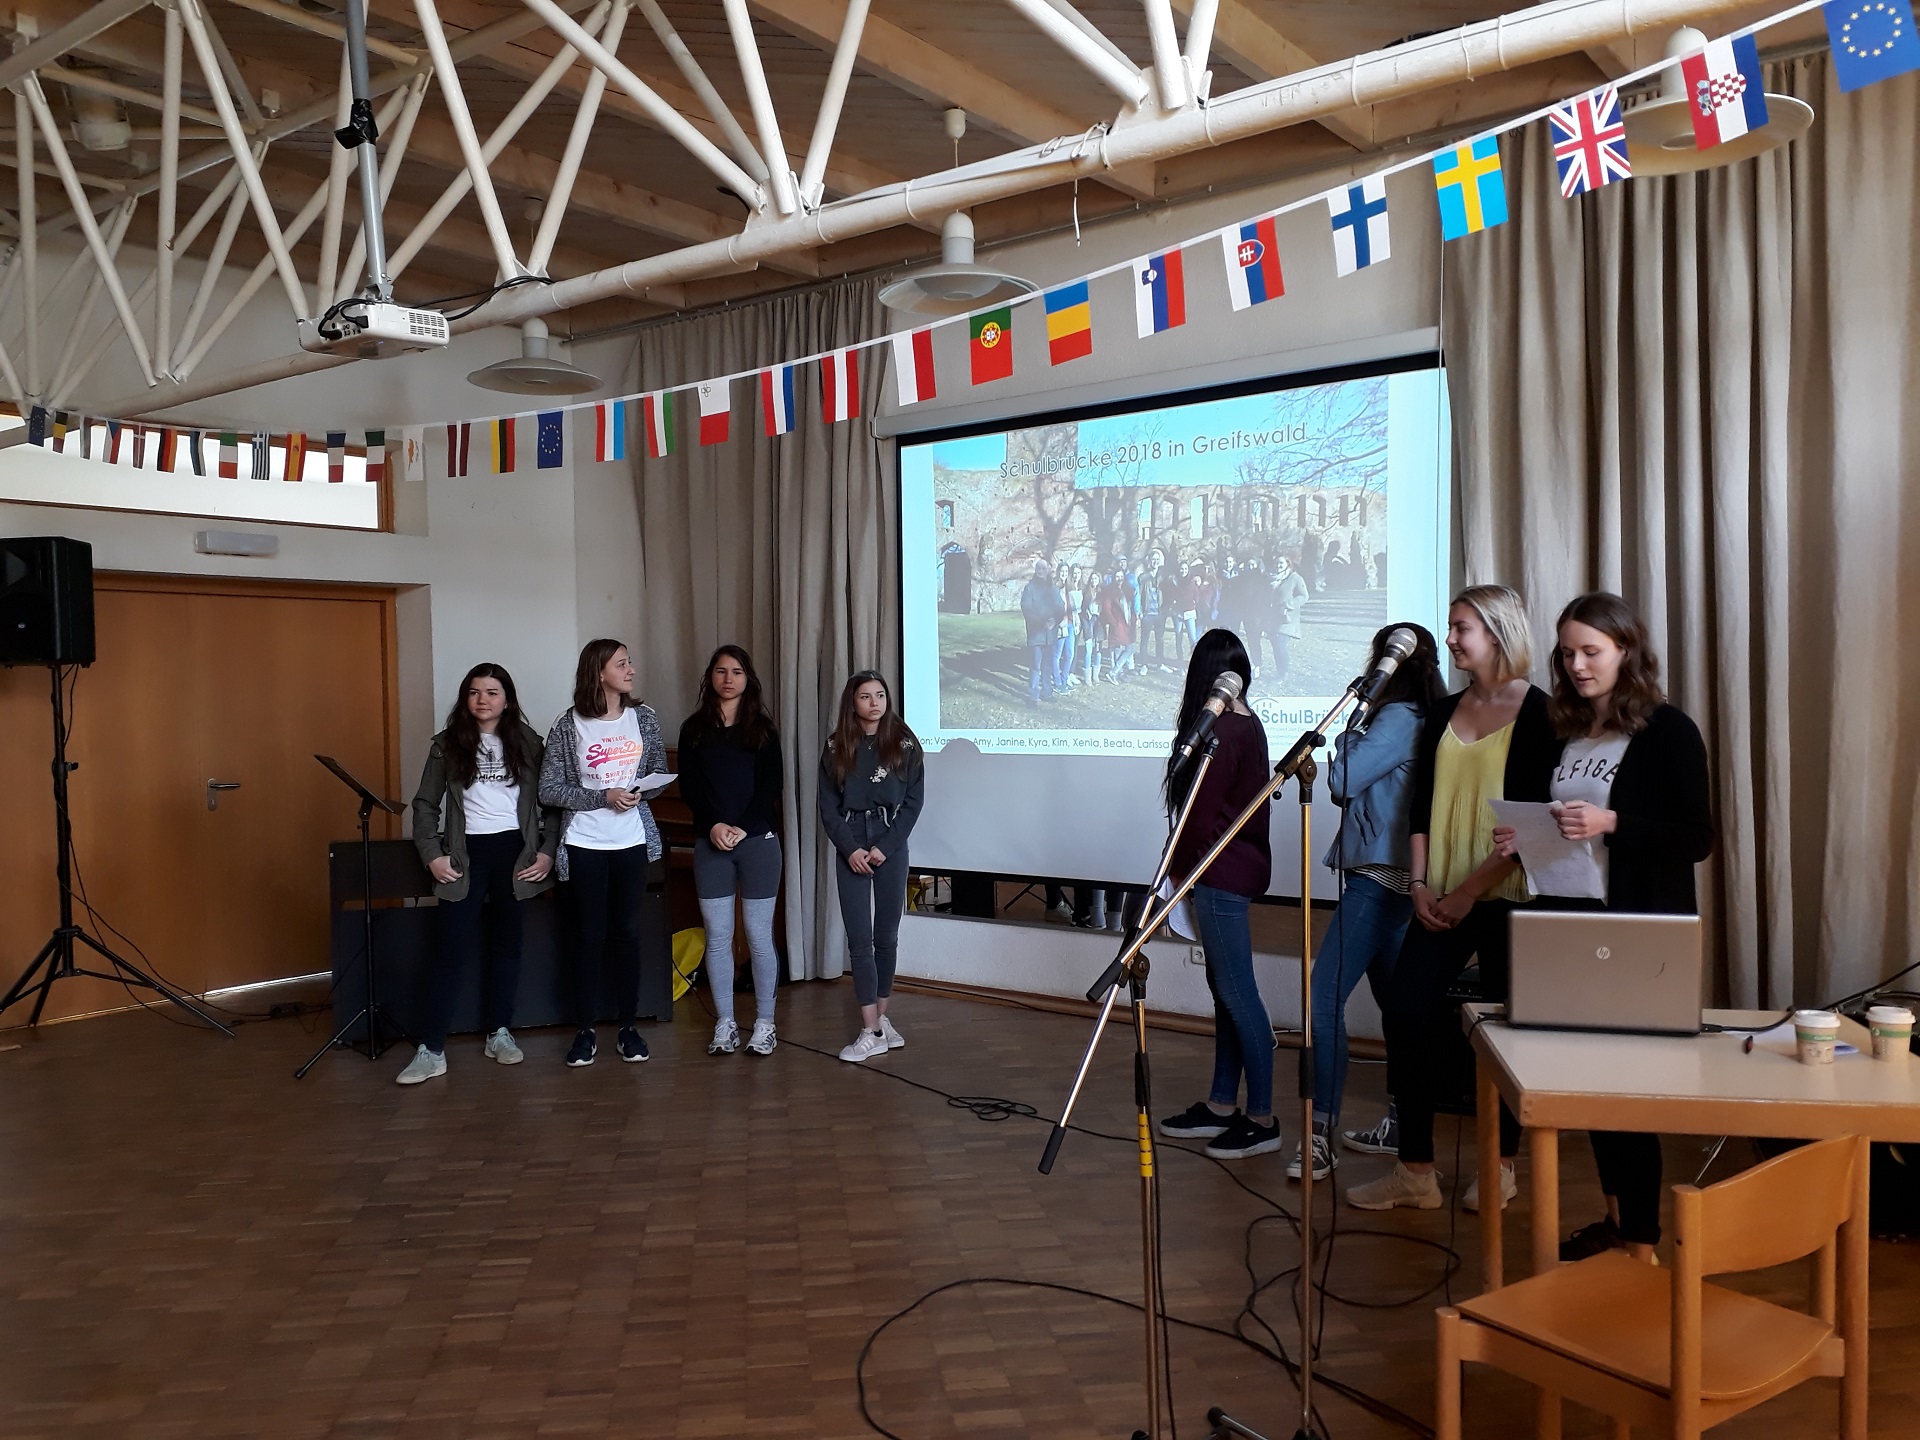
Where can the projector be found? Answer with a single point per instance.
(371, 329)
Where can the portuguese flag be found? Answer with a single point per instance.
(991, 345)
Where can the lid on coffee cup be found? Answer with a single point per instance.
(1890, 1015)
(1816, 1020)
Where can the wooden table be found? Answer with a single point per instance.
(1707, 1084)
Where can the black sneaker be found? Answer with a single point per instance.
(1590, 1240)
(1197, 1122)
(583, 1049)
(1243, 1138)
(632, 1047)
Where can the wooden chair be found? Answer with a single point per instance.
(1664, 1350)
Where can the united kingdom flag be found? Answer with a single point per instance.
(1589, 142)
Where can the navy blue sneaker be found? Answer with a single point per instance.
(583, 1049)
(632, 1047)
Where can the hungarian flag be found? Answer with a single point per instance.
(500, 439)
(913, 366)
(656, 418)
(776, 398)
(610, 431)
(459, 443)
(716, 410)
(990, 343)
(336, 456)
(1253, 263)
(296, 470)
(840, 385)
(1159, 293)
(1725, 90)
(376, 456)
(550, 445)
(1069, 323)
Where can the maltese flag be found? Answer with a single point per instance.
(1724, 90)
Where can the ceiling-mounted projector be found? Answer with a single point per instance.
(372, 330)
(533, 371)
(1660, 132)
(956, 285)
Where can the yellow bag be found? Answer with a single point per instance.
(689, 949)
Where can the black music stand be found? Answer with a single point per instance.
(371, 1011)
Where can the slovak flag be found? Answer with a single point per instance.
(840, 385)
(1589, 141)
(1724, 90)
(913, 366)
(716, 410)
(776, 398)
(1253, 263)
(1159, 293)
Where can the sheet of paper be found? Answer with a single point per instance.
(654, 784)
(1554, 866)
(1780, 1041)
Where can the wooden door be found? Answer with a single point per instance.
(196, 681)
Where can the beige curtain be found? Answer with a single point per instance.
(1704, 392)
(787, 546)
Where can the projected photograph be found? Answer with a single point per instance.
(1074, 564)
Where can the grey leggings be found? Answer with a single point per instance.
(753, 869)
(871, 906)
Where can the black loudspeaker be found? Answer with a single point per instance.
(46, 601)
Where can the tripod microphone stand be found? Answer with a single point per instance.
(57, 958)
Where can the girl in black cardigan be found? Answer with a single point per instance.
(1632, 782)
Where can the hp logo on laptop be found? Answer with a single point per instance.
(1603, 953)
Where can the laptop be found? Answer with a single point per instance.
(1595, 970)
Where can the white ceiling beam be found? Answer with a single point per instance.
(692, 72)
(1121, 75)
(1261, 52)
(833, 96)
(753, 75)
(58, 41)
(1169, 71)
(586, 112)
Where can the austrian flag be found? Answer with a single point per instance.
(840, 385)
(1724, 90)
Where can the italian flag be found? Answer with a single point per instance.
(990, 341)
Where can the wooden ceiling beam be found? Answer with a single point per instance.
(1259, 51)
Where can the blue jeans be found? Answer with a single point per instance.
(1063, 658)
(1242, 1033)
(1364, 939)
(1040, 672)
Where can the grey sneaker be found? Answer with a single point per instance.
(763, 1039)
(1382, 1139)
(1324, 1160)
(1399, 1186)
(866, 1045)
(892, 1036)
(425, 1065)
(500, 1047)
(726, 1038)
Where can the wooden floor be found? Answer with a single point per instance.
(193, 1244)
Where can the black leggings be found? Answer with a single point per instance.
(1422, 1029)
(488, 909)
(606, 889)
(1630, 1172)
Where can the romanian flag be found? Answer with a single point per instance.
(296, 457)
(656, 418)
(459, 442)
(500, 444)
(716, 411)
(1069, 323)
(913, 366)
(990, 344)
(1473, 192)
(610, 431)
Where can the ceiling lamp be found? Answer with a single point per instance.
(534, 372)
(956, 285)
(1660, 131)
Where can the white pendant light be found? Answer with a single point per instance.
(956, 285)
(533, 371)
(1660, 131)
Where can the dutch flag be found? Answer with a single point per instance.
(1159, 293)
(1724, 90)
(776, 398)
(840, 385)
(1253, 263)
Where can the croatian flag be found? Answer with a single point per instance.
(1359, 216)
(716, 410)
(840, 385)
(1159, 293)
(1253, 263)
(656, 418)
(1589, 142)
(609, 431)
(1724, 90)
(776, 398)
(913, 366)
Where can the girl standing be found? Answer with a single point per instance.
(872, 784)
(1242, 1032)
(478, 825)
(597, 752)
(730, 777)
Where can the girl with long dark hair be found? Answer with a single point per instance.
(1632, 784)
(1371, 780)
(1242, 1032)
(730, 777)
(598, 751)
(480, 829)
(872, 784)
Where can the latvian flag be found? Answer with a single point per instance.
(1724, 90)
(913, 366)
(1159, 293)
(459, 442)
(776, 398)
(609, 431)
(716, 411)
(1589, 142)
(840, 385)
(656, 418)
(1253, 263)
(336, 456)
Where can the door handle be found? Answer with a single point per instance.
(214, 787)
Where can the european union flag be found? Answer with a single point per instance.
(1872, 40)
(551, 448)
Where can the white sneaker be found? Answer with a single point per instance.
(893, 1037)
(866, 1045)
(425, 1065)
(763, 1039)
(1509, 1187)
(500, 1047)
(1061, 914)
(1399, 1186)
(726, 1038)
(1323, 1158)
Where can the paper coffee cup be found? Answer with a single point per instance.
(1892, 1029)
(1815, 1032)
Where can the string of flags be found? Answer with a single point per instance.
(1870, 40)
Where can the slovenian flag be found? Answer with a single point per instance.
(610, 431)
(1724, 90)
(913, 366)
(656, 418)
(716, 411)
(776, 398)
(459, 442)
(1159, 293)
(500, 443)
(840, 385)
(1069, 323)
(1253, 263)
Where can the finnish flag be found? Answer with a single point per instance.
(1359, 224)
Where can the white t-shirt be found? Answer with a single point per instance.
(1586, 770)
(609, 754)
(493, 800)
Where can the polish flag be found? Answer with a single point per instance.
(840, 385)
(716, 409)
(913, 366)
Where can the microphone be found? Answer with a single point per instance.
(1226, 689)
(1401, 642)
